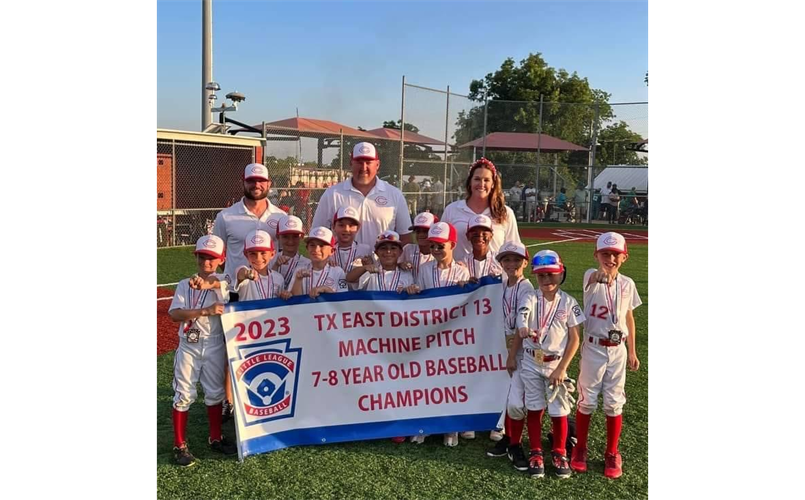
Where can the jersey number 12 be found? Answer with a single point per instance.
(603, 311)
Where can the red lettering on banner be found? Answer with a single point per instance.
(413, 397)
(464, 365)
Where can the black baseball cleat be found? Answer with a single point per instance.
(536, 465)
(517, 457)
(224, 446)
(500, 449)
(227, 409)
(561, 465)
(182, 456)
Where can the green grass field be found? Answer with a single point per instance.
(381, 469)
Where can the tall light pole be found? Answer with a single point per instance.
(206, 63)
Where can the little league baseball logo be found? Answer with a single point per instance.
(382, 201)
(269, 376)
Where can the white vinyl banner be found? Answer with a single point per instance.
(366, 365)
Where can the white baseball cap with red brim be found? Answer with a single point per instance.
(479, 221)
(290, 224)
(322, 234)
(511, 248)
(210, 245)
(347, 213)
(258, 241)
(611, 241)
(388, 237)
(364, 151)
(255, 171)
(547, 261)
(442, 232)
(424, 220)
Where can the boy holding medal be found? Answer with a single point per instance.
(609, 299)
(320, 277)
(201, 355)
(417, 254)
(289, 232)
(387, 275)
(258, 281)
(345, 226)
(550, 344)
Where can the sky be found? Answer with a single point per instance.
(344, 61)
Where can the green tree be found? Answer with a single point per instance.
(409, 127)
(614, 143)
(513, 92)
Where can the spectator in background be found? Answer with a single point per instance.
(530, 201)
(561, 199)
(301, 206)
(605, 200)
(438, 196)
(411, 191)
(515, 193)
(523, 202)
(425, 200)
(614, 200)
(596, 204)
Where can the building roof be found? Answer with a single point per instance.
(314, 128)
(626, 177)
(393, 134)
(519, 141)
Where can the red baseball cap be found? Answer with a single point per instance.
(442, 232)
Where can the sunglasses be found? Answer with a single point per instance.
(545, 260)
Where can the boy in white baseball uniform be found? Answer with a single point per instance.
(346, 225)
(290, 232)
(550, 344)
(416, 254)
(609, 299)
(201, 355)
(517, 303)
(444, 271)
(481, 262)
(387, 275)
(258, 281)
(320, 277)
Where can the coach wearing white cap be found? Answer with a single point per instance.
(380, 205)
(254, 211)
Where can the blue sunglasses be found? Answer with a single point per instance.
(545, 260)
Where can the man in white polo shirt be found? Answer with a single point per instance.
(380, 205)
(253, 211)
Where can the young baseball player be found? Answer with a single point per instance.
(386, 275)
(549, 346)
(609, 299)
(442, 272)
(201, 355)
(517, 304)
(481, 262)
(320, 277)
(417, 254)
(288, 261)
(258, 281)
(346, 224)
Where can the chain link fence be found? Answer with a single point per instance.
(543, 150)
(195, 180)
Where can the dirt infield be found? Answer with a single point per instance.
(167, 339)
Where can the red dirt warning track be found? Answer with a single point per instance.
(167, 338)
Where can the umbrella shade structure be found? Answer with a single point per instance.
(312, 127)
(392, 134)
(520, 141)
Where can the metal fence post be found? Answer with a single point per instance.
(539, 151)
(591, 157)
(446, 122)
(486, 107)
(173, 193)
(341, 155)
(402, 134)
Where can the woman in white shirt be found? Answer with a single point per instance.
(484, 196)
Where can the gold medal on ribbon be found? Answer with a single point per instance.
(538, 355)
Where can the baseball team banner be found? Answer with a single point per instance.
(366, 365)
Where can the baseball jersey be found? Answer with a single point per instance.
(331, 276)
(264, 287)
(431, 276)
(412, 253)
(552, 320)
(345, 258)
(487, 267)
(385, 280)
(187, 298)
(606, 306)
(288, 269)
(517, 304)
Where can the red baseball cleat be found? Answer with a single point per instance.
(612, 465)
(398, 440)
(578, 459)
